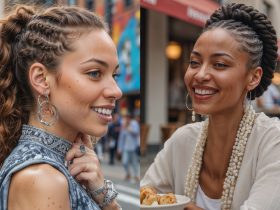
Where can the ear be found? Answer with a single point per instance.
(254, 78)
(38, 78)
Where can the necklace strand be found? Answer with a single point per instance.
(192, 178)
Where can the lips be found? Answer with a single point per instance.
(203, 93)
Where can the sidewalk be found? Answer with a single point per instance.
(114, 171)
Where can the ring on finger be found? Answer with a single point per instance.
(83, 149)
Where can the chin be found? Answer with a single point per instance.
(99, 132)
(203, 110)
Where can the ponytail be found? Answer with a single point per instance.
(12, 113)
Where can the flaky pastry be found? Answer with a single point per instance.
(149, 196)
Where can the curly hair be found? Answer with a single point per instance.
(255, 33)
(29, 35)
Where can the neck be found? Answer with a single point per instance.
(223, 126)
(221, 136)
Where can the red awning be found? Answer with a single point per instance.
(192, 11)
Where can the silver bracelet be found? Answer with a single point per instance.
(109, 192)
(100, 190)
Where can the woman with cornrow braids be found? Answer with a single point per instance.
(57, 93)
(231, 160)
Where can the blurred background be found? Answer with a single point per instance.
(169, 29)
(123, 17)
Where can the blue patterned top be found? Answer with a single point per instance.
(38, 146)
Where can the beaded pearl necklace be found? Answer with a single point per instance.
(192, 178)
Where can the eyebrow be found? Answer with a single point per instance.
(218, 54)
(101, 62)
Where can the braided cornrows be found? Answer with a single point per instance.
(255, 33)
(28, 36)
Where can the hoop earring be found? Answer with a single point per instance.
(190, 109)
(45, 108)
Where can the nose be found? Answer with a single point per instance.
(112, 90)
(202, 73)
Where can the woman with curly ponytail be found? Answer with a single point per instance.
(231, 160)
(57, 89)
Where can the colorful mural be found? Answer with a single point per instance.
(128, 47)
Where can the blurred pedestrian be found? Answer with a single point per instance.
(113, 136)
(127, 146)
(100, 147)
(57, 88)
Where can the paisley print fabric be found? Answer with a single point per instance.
(38, 146)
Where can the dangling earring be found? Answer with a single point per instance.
(190, 109)
(250, 97)
(47, 112)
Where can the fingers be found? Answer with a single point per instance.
(76, 151)
(77, 168)
(83, 164)
(88, 162)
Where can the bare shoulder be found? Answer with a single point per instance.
(39, 186)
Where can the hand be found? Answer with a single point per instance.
(85, 167)
(192, 206)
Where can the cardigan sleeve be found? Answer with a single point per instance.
(265, 191)
(159, 174)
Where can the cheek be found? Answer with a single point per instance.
(73, 91)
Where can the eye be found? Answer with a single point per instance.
(94, 74)
(220, 65)
(116, 76)
(194, 64)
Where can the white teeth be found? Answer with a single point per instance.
(103, 111)
(204, 92)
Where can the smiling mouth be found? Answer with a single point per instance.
(204, 92)
(103, 111)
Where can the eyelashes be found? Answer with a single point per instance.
(97, 74)
(94, 74)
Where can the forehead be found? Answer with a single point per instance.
(95, 43)
(218, 40)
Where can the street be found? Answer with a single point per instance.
(128, 196)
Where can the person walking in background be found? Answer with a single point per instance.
(127, 146)
(113, 136)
